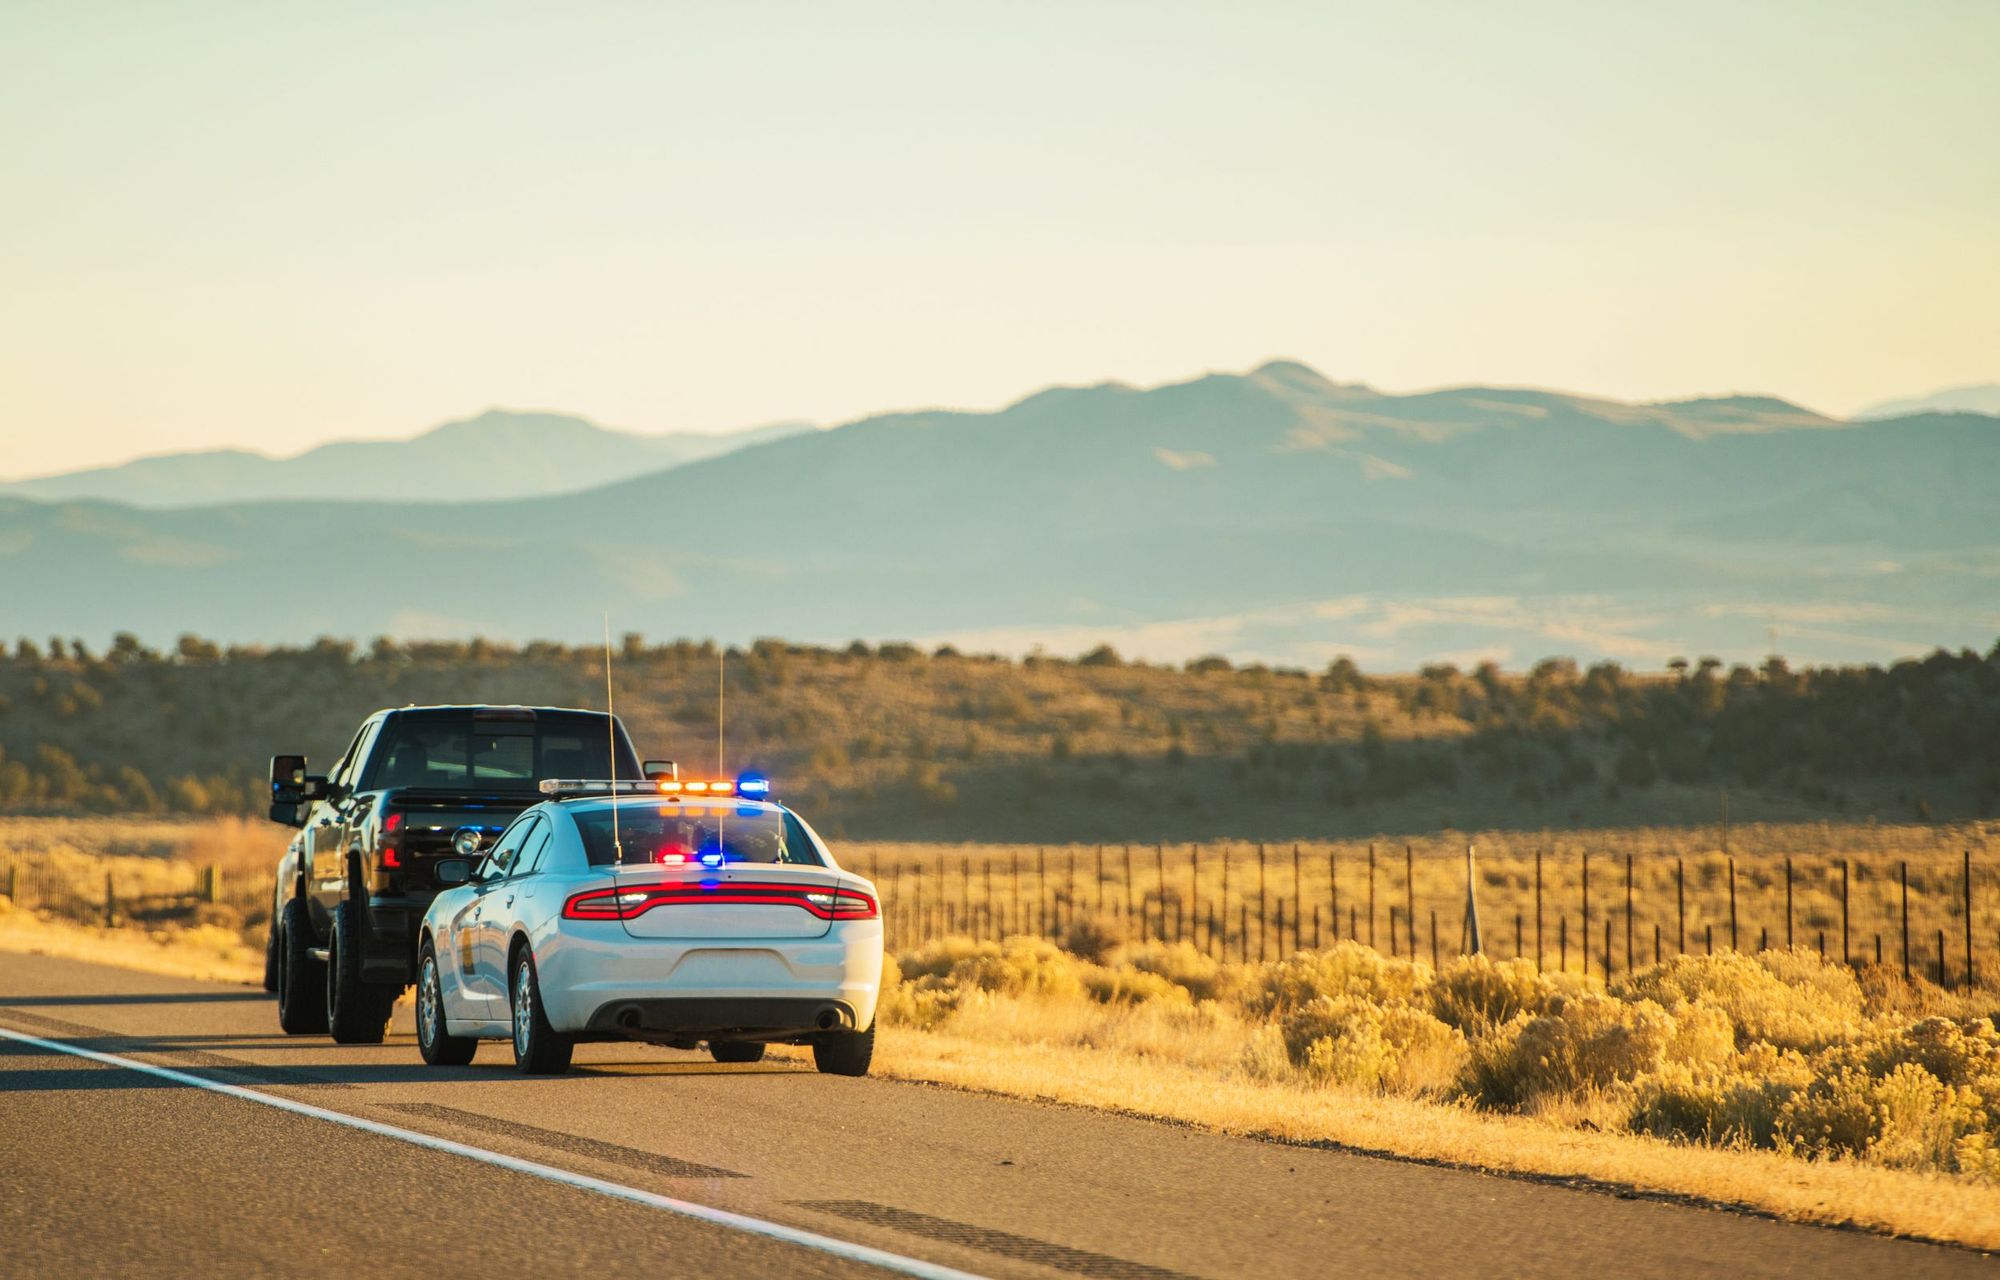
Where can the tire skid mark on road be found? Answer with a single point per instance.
(830, 1245)
(1061, 1257)
(118, 1042)
(590, 1148)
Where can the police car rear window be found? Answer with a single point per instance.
(681, 834)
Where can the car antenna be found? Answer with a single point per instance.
(611, 744)
(721, 655)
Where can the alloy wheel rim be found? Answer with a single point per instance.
(427, 1004)
(524, 1009)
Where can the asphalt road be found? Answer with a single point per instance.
(107, 1170)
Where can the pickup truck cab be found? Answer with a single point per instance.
(406, 811)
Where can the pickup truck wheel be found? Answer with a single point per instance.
(271, 966)
(439, 1047)
(357, 1010)
(844, 1053)
(539, 1049)
(736, 1050)
(301, 985)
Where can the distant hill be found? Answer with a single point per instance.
(499, 454)
(1978, 397)
(1273, 514)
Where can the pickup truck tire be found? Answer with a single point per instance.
(539, 1049)
(736, 1050)
(271, 955)
(439, 1047)
(845, 1053)
(357, 1011)
(301, 984)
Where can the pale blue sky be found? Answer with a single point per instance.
(272, 224)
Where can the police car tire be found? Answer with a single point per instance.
(736, 1050)
(845, 1053)
(357, 1010)
(440, 1048)
(547, 1051)
(301, 985)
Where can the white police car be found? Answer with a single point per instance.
(669, 911)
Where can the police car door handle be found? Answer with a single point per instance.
(509, 902)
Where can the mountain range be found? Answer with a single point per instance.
(1977, 397)
(498, 454)
(1273, 514)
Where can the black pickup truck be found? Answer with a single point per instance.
(405, 812)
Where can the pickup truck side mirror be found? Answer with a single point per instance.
(290, 788)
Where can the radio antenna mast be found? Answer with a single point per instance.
(611, 744)
(721, 769)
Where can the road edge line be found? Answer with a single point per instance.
(614, 1190)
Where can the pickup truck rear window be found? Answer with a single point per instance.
(463, 751)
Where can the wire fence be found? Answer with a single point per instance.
(1931, 915)
(114, 892)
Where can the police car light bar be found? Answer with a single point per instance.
(751, 786)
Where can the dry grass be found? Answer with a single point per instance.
(206, 953)
(1892, 1201)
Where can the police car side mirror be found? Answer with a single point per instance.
(453, 871)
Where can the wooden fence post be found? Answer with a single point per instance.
(110, 902)
(1788, 902)
(1434, 941)
(1333, 891)
(1263, 911)
(1160, 873)
(1562, 943)
(1845, 958)
(1100, 879)
(1298, 903)
(1681, 904)
(1584, 940)
(1471, 904)
(1628, 911)
(1410, 896)
(1941, 976)
(1128, 885)
(1607, 948)
(1371, 893)
(1538, 907)
(1732, 903)
(1968, 919)
(1904, 870)
(1194, 893)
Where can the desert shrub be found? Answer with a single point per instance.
(1907, 1119)
(1583, 1043)
(1348, 1040)
(1347, 969)
(937, 958)
(1476, 994)
(1792, 1000)
(1966, 1055)
(1129, 986)
(1092, 936)
(1736, 1104)
(1181, 963)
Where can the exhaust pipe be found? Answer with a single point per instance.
(829, 1018)
(629, 1019)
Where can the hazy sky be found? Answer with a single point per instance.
(268, 224)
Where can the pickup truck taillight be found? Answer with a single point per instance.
(392, 854)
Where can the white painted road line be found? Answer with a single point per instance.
(617, 1191)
